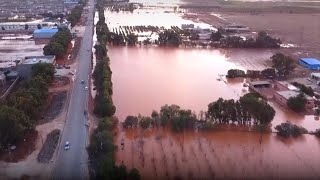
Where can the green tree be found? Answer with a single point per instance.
(216, 36)
(54, 48)
(130, 121)
(145, 122)
(297, 103)
(13, 125)
(132, 39)
(169, 38)
(283, 64)
(134, 174)
(45, 70)
(168, 112)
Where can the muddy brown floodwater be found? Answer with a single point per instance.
(146, 78)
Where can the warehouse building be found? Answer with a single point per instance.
(45, 33)
(310, 63)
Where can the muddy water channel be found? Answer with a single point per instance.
(146, 78)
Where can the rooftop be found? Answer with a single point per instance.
(38, 59)
(288, 85)
(311, 61)
(290, 93)
(46, 30)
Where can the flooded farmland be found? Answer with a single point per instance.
(146, 78)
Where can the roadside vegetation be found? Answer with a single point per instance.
(75, 15)
(250, 110)
(58, 44)
(21, 111)
(101, 148)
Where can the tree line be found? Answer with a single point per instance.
(101, 148)
(75, 15)
(22, 109)
(58, 44)
(249, 110)
(263, 40)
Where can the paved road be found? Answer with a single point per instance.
(72, 164)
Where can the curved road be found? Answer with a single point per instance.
(72, 163)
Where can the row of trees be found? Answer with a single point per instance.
(249, 110)
(263, 40)
(20, 112)
(75, 15)
(101, 149)
(58, 44)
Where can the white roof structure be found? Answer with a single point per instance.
(38, 59)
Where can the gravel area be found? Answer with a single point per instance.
(49, 146)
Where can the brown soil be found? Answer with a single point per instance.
(23, 148)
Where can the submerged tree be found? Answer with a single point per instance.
(169, 38)
(283, 64)
(297, 103)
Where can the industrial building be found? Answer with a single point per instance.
(25, 66)
(45, 33)
(310, 63)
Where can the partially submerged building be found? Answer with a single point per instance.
(310, 63)
(264, 88)
(282, 98)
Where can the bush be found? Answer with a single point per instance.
(234, 73)
(287, 129)
(297, 103)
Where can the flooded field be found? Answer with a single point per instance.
(12, 49)
(164, 155)
(146, 78)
